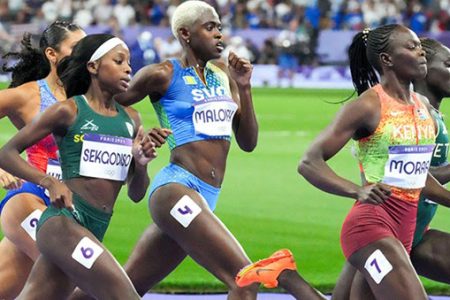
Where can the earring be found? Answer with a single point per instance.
(188, 41)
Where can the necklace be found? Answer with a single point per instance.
(197, 65)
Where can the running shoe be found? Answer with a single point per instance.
(266, 271)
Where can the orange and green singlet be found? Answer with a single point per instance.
(399, 151)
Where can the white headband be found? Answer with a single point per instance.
(106, 47)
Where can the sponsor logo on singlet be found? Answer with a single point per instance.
(89, 125)
(130, 128)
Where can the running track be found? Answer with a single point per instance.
(261, 296)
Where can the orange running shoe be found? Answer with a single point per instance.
(266, 271)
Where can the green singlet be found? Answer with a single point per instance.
(427, 208)
(89, 122)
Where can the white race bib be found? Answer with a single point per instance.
(378, 266)
(214, 118)
(407, 166)
(185, 211)
(86, 252)
(30, 223)
(104, 156)
(54, 168)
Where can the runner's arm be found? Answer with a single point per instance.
(354, 116)
(53, 120)
(138, 179)
(441, 173)
(434, 191)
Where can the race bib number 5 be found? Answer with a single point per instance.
(407, 166)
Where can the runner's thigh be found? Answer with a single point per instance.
(19, 219)
(184, 215)
(78, 253)
(431, 258)
(387, 269)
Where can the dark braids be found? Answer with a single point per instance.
(430, 46)
(364, 56)
(32, 63)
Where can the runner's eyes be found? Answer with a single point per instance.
(212, 26)
(415, 46)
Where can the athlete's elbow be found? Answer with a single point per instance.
(304, 167)
(137, 191)
(136, 196)
(249, 146)
(4, 157)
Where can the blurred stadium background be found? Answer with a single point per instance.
(298, 48)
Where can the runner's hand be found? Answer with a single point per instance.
(60, 194)
(159, 136)
(240, 69)
(144, 150)
(8, 181)
(374, 193)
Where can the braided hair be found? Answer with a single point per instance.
(430, 46)
(32, 63)
(364, 55)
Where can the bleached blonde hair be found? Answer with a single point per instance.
(187, 13)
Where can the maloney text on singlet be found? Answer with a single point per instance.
(194, 110)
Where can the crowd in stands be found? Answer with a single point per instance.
(430, 15)
(298, 21)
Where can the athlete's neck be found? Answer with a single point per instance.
(190, 61)
(397, 90)
(56, 86)
(434, 99)
(100, 101)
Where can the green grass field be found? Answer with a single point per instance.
(264, 202)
